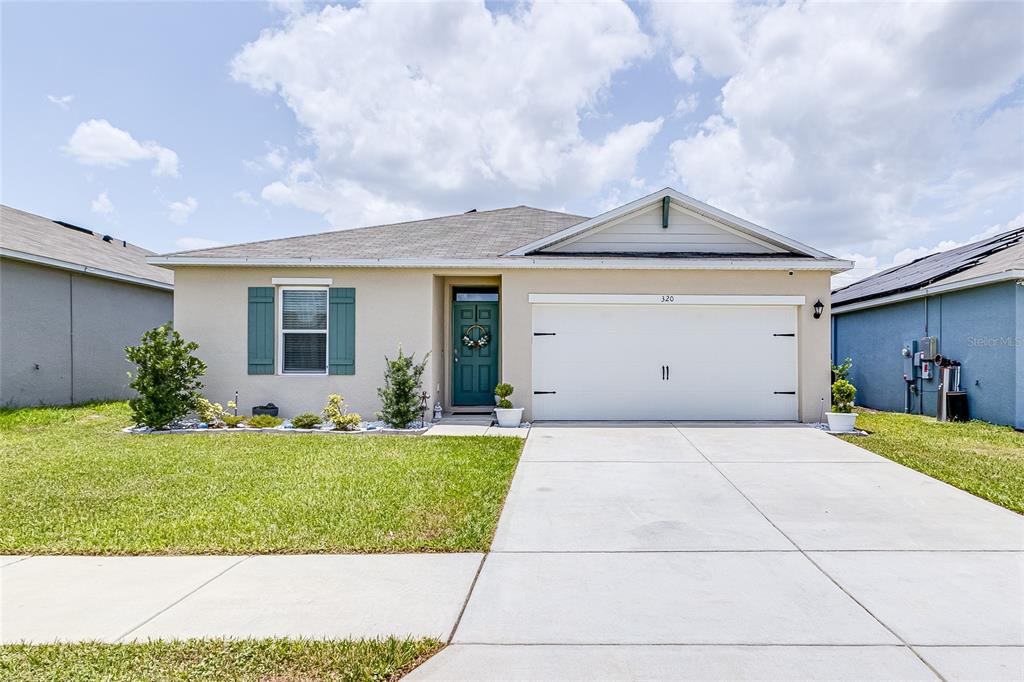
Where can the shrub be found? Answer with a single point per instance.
(399, 397)
(843, 393)
(503, 391)
(166, 377)
(306, 420)
(348, 422)
(337, 414)
(264, 421)
(233, 420)
(211, 413)
(842, 370)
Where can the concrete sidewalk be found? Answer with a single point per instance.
(116, 599)
(667, 552)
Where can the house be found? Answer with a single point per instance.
(969, 299)
(70, 301)
(664, 308)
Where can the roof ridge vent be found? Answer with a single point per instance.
(472, 210)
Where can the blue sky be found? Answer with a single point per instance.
(874, 132)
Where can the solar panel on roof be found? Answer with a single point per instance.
(923, 271)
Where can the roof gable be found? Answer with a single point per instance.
(650, 230)
(693, 227)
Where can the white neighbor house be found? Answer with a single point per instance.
(664, 308)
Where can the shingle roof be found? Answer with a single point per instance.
(479, 234)
(26, 233)
(1000, 253)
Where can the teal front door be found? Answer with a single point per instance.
(475, 352)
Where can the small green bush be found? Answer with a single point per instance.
(399, 397)
(232, 420)
(264, 421)
(348, 422)
(211, 413)
(306, 420)
(503, 391)
(166, 377)
(336, 413)
(842, 370)
(843, 393)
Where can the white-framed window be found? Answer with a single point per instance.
(303, 319)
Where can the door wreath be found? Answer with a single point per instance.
(479, 342)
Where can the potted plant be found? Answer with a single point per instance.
(842, 419)
(507, 415)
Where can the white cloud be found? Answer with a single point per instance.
(180, 211)
(102, 205)
(861, 128)
(275, 159)
(245, 197)
(687, 104)
(420, 107)
(192, 243)
(97, 143)
(907, 255)
(62, 101)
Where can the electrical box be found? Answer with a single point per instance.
(926, 369)
(928, 347)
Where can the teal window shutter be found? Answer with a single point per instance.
(341, 331)
(261, 330)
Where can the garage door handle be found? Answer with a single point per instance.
(783, 334)
(544, 392)
(785, 392)
(544, 333)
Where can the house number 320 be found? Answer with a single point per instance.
(667, 299)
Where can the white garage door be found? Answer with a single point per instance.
(667, 360)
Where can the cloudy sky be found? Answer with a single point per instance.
(876, 132)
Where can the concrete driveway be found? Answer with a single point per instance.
(681, 551)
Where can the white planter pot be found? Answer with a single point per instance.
(509, 418)
(841, 422)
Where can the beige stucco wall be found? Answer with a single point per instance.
(411, 307)
(392, 307)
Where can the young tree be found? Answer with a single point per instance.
(166, 377)
(399, 397)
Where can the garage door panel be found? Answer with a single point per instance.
(725, 362)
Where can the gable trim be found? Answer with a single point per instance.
(702, 210)
(665, 211)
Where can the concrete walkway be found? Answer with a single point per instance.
(667, 552)
(117, 599)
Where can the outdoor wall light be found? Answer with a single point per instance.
(819, 308)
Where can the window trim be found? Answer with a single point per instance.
(281, 331)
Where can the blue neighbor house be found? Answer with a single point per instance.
(964, 305)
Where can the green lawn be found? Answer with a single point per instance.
(212, 660)
(975, 456)
(72, 483)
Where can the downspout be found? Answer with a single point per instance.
(71, 333)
